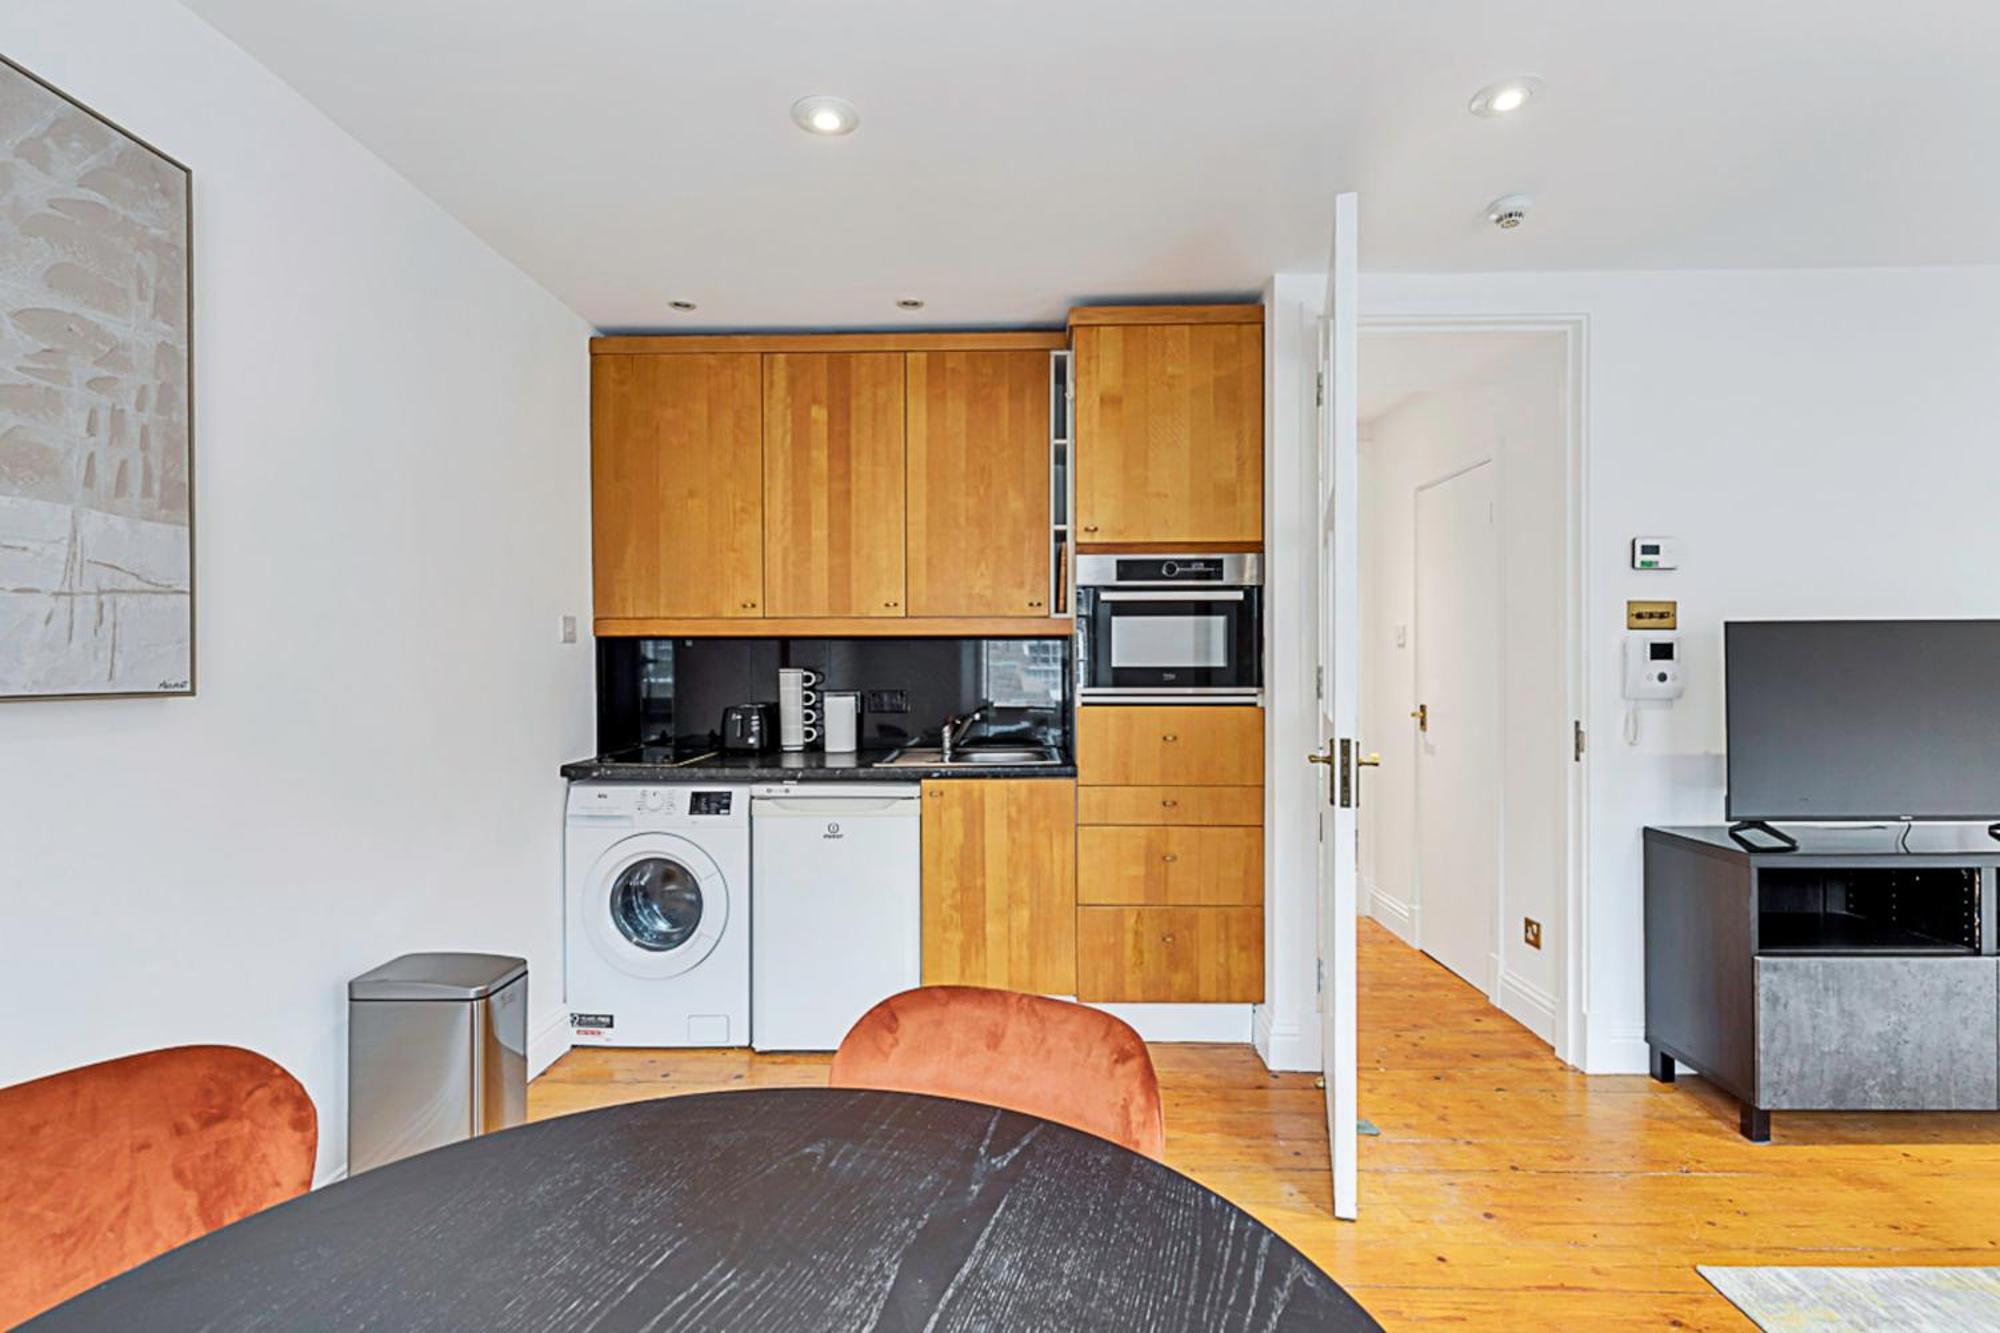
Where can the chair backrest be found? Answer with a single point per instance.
(1064, 1062)
(103, 1167)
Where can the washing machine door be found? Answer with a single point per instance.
(657, 905)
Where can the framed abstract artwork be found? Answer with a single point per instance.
(96, 410)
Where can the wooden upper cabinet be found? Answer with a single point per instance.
(677, 485)
(999, 886)
(1170, 434)
(979, 483)
(833, 484)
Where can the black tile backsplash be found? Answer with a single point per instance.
(651, 691)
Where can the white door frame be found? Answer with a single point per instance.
(1573, 930)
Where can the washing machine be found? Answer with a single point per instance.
(657, 889)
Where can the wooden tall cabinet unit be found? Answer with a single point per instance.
(1170, 853)
(979, 519)
(1170, 427)
(833, 484)
(677, 485)
(999, 884)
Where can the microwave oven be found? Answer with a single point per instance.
(1170, 625)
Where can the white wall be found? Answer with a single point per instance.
(1823, 442)
(1506, 404)
(391, 505)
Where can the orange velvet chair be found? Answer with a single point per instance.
(103, 1167)
(1064, 1062)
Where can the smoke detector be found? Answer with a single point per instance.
(1509, 211)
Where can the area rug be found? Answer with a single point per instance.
(1937, 1300)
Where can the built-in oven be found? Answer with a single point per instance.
(1170, 625)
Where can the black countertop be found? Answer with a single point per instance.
(661, 765)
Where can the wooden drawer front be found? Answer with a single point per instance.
(1194, 955)
(1170, 866)
(1243, 806)
(1170, 745)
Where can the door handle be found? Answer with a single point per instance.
(1323, 757)
(1422, 713)
(1372, 761)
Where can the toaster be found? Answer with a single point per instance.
(747, 728)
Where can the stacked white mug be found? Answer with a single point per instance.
(798, 707)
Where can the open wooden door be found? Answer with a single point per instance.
(1338, 707)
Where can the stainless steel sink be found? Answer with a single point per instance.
(930, 756)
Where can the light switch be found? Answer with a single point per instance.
(1402, 636)
(569, 629)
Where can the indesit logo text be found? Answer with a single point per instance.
(833, 831)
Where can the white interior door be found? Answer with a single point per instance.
(1338, 708)
(1459, 735)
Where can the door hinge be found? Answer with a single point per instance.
(1319, 682)
(1319, 976)
(1577, 740)
(1319, 389)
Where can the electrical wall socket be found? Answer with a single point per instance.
(566, 630)
(886, 701)
(1531, 931)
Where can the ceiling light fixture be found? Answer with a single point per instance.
(681, 305)
(1497, 99)
(909, 303)
(825, 115)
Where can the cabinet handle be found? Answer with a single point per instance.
(1170, 857)
(1034, 604)
(891, 604)
(1170, 738)
(1169, 804)
(1166, 939)
(1090, 527)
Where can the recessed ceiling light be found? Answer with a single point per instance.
(825, 115)
(1497, 99)
(681, 305)
(909, 303)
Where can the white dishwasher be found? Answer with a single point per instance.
(835, 907)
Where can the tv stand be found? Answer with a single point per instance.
(1742, 828)
(1857, 969)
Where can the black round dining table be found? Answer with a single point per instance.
(779, 1209)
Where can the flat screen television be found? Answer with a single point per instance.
(1863, 719)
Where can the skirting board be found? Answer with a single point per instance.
(1293, 1048)
(1528, 1004)
(1617, 1049)
(1397, 916)
(548, 1043)
(1186, 1022)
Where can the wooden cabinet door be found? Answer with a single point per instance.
(833, 483)
(1192, 955)
(999, 887)
(1170, 434)
(1170, 866)
(677, 485)
(979, 541)
(1121, 745)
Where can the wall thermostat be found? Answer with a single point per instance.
(1656, 553)
(1652, 666)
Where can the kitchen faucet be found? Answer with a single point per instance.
(957, 728)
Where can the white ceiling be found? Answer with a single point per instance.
(1014, 158)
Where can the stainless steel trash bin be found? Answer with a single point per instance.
(437, 1051)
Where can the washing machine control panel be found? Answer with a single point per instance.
(708, 802)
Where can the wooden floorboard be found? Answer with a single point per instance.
(1505, 1190)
